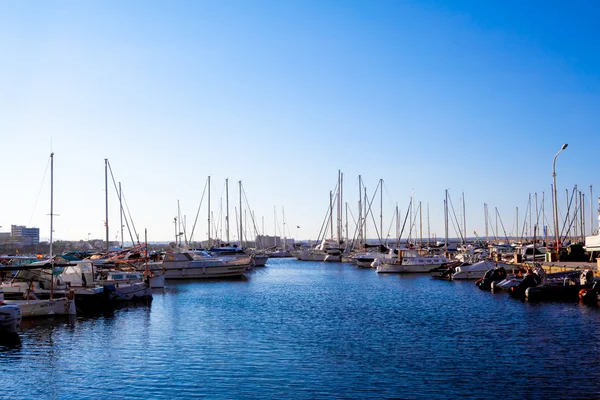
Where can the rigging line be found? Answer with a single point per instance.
(502, 224)
(528, 210)
(198, 212)
(404, 223)
(245, 197)
(568, 208)
(459, 231)
(372, 216)
(39, 192)
(121, 206)
(390, 228)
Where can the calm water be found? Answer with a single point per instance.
(307, 330)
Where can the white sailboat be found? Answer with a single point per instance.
(31, 306)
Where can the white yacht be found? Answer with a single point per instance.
(200, 264)
(478, 270)
(408, 260)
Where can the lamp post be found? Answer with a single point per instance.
(556, 234)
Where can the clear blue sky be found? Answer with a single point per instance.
(474, 96)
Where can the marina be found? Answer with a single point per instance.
(299, 200)
(308, 330)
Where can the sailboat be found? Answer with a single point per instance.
(31, 305)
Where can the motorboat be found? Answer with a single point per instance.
(566, 289)
(200, 264)
(479, 269)
(406, 260)
(496, 274)
(126, 285)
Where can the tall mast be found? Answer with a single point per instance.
(331, 212)
(51, 204)
(51, 222)
(241, 225)
(106, 198)
(517, 235)
(421, 224)
(428, 232)
(209, 242)
(464, 219)
(582, 207)
(591, 211)
(485, 212)
(397, 224)
(347, 234)
(121, 213)
(284, 236)
(179, 224)
(446, 219)
(381, 209)
(360, 236)
(567, 221)
(274, 225)
(339, 208)
(365, 216)
(227, 210)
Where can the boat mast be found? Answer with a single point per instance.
(421, 224)
(227, 210)
(397, 224)
(51, 223)
(428, 227)
(582, 208)
(339, 208)
(591, 211)
(380, 209)
(485, 212)
(209, 242)
(347, 234)
(365, 215)
(517, 235)
(178, 225)
(241, 222)
(106, 198)
(360, 236)
(464, 219)
(284, 236)
(330, 213)
(121, 213)
(446, 220)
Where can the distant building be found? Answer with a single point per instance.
(265, 241)
(28, 236)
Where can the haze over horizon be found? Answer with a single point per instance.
(474, 97)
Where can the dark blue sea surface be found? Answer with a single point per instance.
(307, 330)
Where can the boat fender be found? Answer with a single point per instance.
(587, 296)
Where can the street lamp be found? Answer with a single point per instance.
(556, 234)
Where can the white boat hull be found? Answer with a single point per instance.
(157, 281)
(312, 256)
(132, 291)
(406, 268)
(43, 308)
(478, 270)
(205, 271)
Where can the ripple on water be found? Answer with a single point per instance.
(313, 330)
